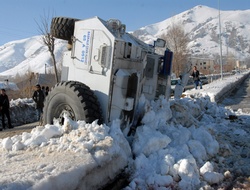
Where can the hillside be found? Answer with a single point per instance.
(202, 25)
(27, 55)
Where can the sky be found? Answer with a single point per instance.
(19, 19)
(185, 144)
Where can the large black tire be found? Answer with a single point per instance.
(63, 28)
(73, 98)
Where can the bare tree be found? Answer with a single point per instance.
(48, 39)
(230, 62)
(31, 77)
(177, 41)
(247, 60)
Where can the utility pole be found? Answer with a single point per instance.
(221, 68)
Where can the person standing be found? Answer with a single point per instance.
(4, 106)
(46, 91)
(196, 76)
(43, 89)
(38, 97)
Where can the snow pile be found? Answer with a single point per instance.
(60, 157)
(171, 155)
(22, 111)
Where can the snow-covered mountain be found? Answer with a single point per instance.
(200, 22)
(202, 25)
(28, 55)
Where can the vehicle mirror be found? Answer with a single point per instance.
(159, 43)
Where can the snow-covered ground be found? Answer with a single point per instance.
(189, 143)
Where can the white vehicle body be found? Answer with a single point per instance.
(116, 66)
(104, 73)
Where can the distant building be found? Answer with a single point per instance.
(204, 65)
(213, 66)
(241, 65)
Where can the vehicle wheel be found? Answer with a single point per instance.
(74, 99)
(63, 28)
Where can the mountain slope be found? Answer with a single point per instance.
(202, 25)
(27, 55)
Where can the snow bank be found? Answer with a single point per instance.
(76, 155)
(171, 155)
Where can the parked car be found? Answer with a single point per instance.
(204, 79)
(235, 72)
(174, 82)
(190, 84)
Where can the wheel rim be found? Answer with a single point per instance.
(62, 110)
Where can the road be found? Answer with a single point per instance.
(18, 130)
(239, 98)
(239, 159)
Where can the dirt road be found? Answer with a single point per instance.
(17, 130)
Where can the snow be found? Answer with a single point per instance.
(57, 157)
(8, 85)
(28, 55)
(200, 23)
(176, 146)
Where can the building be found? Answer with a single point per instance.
(204, 65)
(212, 66)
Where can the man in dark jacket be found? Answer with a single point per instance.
(196, 76)
(4, 107)
(39, 97)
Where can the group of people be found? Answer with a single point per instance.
(38, 96)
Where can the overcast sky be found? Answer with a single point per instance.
(18, 17)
